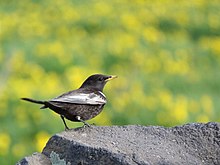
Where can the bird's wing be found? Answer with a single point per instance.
(82, 98)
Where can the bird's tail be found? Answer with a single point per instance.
(36, 101)
(33, 101)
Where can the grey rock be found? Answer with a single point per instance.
(192, 144)
(35, 159)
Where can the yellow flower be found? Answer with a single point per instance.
(41, 140)
(166, 99)
(130, 21)
(207, 104)
(215, 46)
(19, 150)
(180, 111)
(5, 142)
(202, 118)
(151, 34)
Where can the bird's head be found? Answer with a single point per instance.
(97, 81)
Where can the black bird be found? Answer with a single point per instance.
(81, 104)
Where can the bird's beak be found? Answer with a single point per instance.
(110, 78)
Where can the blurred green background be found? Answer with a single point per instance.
(166, 54)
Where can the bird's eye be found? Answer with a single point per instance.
(100, 78)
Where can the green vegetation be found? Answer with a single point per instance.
(166, 54)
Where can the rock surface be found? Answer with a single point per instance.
(192, 144)
(35, 159)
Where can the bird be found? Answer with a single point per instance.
(81, 104)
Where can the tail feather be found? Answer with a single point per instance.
(33, 101)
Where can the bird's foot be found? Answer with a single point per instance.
(67, 129)
(85, 123)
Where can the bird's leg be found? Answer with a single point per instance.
(66, 127)
(85, 123)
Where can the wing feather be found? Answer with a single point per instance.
(82, 98)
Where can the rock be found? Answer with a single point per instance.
(194, 143)
(35, 159)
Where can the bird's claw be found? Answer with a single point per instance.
(67, 129)
(86, 125)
